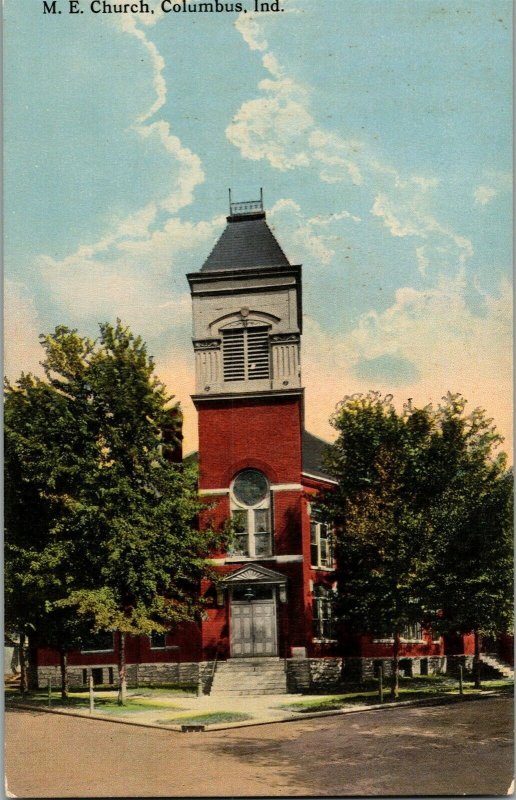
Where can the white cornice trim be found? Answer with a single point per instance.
(319, 478)
(275, 487)
(243, 560)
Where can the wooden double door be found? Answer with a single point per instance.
(253, 623)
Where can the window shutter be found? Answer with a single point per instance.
(246, 354)
(257, 353)
(233, 355)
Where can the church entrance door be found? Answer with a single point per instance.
(253, 622)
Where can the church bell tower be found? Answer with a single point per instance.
(247, 324)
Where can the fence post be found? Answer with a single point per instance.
(461, 686)
(49, 691)
(92, 699)
(380, 682)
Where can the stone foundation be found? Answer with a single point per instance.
(329, 674)
(303, 674)
(454, 662)
(188, 674)
(366, 669)
(313, 674)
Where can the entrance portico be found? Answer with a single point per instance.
(254, 592)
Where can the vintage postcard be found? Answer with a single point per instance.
(297, 214)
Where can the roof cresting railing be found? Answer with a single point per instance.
(247, 207)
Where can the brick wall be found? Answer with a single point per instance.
(240, 433)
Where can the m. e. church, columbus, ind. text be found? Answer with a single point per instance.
(165, 6)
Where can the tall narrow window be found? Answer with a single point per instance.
(321, 550)
(322, 612)
(245, 354)
(251, 515)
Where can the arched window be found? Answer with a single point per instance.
(251, 514)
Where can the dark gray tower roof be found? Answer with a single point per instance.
(247, 241)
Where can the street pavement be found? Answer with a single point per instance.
(464, 748)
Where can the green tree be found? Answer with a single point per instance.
(382, 461)
(412, 486)
(41, 456)
(471, 573)
(117, 545)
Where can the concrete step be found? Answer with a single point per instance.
(497, 665)
(250, 676)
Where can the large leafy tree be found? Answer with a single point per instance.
(101, 524)
(470, 580)
(400, 476)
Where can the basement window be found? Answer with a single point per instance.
(245, 354)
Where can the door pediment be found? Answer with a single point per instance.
(254, 573)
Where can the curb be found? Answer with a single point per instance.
(434, 701)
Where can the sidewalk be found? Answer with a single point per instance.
(259, 710)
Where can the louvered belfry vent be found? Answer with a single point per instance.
(246, 354)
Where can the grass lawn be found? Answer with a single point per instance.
(418, 688)
(213, 718)
(105, 701)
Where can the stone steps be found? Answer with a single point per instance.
(250, 676)
(497, 665)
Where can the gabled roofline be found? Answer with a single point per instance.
(263, 575)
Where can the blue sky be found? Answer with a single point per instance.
(379, 130)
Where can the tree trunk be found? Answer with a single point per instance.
(476, 662)
(395, 684)
(32, 663)
(23, 665)
(63, 662)
(122, 676)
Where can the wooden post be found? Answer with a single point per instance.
(380, 682)
(92, 698)
(49, 691)
(461, 685)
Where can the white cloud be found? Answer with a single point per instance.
(383, 208)
(484, 194)
(300, 235)
(138, 278)
(320, 220)
(435, 330)
(129, 25)
(274, 127)
(496, 182)
(22, 351)
(248, 26)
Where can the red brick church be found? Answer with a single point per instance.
(259, 465)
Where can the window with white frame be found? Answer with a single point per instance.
(101, 642)
(245, 353)
(251, 515)
(321, 550)
(322, 612)
(412, 632)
